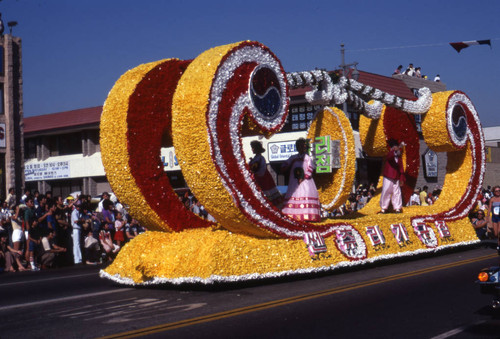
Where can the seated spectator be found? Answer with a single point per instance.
(8, 256)
(415, 198)
(109, 248)
(131, 228)
(203, 212)
(140, 229)
(480, 225)
(120, 223)
(187, 203)
(364, 198)
(91, 248)
(49, 250)
(430, 199)
(108, 217)
(196, 207)
(435, 194)
(5, 215)
(120, 208)
(97, 220)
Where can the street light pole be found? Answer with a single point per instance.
(344, 66)
(345, 71)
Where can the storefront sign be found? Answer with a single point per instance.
(281, 151)
(47, 171)
(2, 136)
(431, 164)
(326, 154)
(170, 162)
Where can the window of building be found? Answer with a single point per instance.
(2, 72)
(93, 141)
(65, 187)
(30, 146)
(2, 175)
(300, 117)
(418, 122)
(65, 144)
(2, 100)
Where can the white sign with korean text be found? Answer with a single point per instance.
(281, 151)
(47, 171)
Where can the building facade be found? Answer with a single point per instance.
(62, 152)
(492, 138)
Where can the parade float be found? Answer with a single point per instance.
(204, 106)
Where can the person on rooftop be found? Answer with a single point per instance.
(410, 71)
(398, 70)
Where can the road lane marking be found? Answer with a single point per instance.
(51, 301)
(457, 330)
(286, 301)
(48, 279)
(91, 307)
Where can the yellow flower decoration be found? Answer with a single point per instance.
(114, 146)
(436, 124)
(334, 188)
(192, 145)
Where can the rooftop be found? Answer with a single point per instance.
(387, 84)
(63, 120)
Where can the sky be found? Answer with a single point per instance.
(74, 51)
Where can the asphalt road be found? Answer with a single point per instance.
(432, 297)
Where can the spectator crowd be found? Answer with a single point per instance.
(485, 216)
(40, 231)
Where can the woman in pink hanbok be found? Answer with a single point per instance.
(261, 174)
(302, 198)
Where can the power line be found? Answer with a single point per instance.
(400, 47)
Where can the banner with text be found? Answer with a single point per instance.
(47, 171)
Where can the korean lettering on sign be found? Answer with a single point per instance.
(47, 171)
(280, 151)
(326, 154)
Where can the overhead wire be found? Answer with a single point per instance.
(404, 46)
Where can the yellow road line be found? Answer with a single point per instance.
(281, 302)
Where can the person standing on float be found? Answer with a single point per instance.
(302, 198)
(262, 176)
(393, 174)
